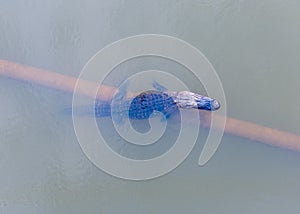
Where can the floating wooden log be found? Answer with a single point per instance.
(233, 126)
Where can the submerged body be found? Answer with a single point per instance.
(140, 107)
(146, 103)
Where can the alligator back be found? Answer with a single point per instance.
(140, 107)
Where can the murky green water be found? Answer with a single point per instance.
(254, 47)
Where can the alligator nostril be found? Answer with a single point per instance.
(215, 105)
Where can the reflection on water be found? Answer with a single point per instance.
(254, 47)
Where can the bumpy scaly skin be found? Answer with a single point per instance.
(143, 105)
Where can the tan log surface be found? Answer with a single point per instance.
(257, 132)
(53, 79)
